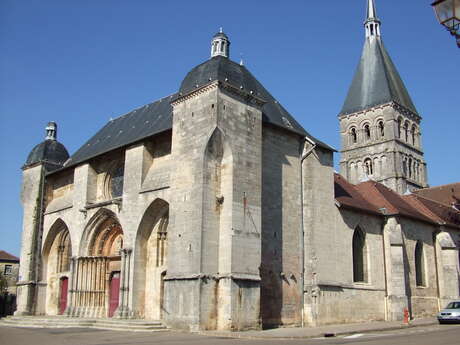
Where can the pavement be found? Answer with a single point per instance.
(322, 331)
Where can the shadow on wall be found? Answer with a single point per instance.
(271, 293)
(407, 274)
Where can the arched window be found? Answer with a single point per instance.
(359, 256)
(353, 135)
(64, 252)
(368, 167)
(419, 265)
(367, 132)
(404, 166)
(410, 167)
(399, 127)
(381, 129)
(414, 135)
(406, 131)
(222, 46)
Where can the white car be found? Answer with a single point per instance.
(450, 314)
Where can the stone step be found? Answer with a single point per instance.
(67, 322)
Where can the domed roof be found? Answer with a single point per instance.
(220, 34)
(222, 69)
(48, 151)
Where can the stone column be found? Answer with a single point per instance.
(70, 295)
(397, 298)
(123, 308)
(448, 267)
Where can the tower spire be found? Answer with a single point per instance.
(372, 23)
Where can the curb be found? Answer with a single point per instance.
(316, 335)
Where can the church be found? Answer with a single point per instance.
(214, 209)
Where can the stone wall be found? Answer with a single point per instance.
(281, 268)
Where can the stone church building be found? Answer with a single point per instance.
(213, 208)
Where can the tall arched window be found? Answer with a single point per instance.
(410, 167)
(381, 129)
(367, 132)
(404, 166)
(359, 256)
(353, 136)
(414, 135)
(399, 127)
(368, 167)
(419, 265)
(406, 131)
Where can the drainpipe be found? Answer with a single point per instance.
(385, 273)
(302, 229)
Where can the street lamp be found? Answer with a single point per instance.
(448, 14)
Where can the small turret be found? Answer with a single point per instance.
(372, 23)
(50, 151)
(220, 45)
(51, 131)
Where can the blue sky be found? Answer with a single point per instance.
(79, 63)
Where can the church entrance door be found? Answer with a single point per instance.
(114, 293)
(63, 295)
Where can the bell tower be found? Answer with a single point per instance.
(379, 124)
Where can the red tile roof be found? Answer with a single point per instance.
(347, 195)
(448, 194)
(442, 213)
(374, 197)
(384, 197)
(7, 256)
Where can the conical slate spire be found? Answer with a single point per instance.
(376, 79)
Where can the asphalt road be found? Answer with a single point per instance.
(431, 335)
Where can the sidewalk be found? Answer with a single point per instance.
(316, 332)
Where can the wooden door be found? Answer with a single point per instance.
(63, 295)
(114, 293)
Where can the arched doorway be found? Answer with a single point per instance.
(151, 261)
(57, 253)
(98, 269)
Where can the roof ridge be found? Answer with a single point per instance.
(440, 186)
(426, 209)
(140, 107)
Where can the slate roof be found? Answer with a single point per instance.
(156, 117)
(5, 256)
(376, 81)
(223, 69)
(48, 151)
(139, 124)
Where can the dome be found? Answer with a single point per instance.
(48, 151)
(220, 34)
